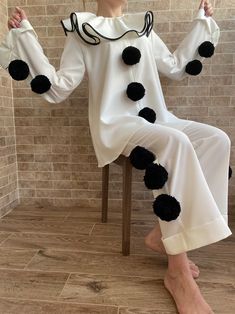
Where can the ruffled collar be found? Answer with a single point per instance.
(93, 29)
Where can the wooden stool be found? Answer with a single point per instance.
(126, 199)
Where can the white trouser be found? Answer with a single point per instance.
(196, 156)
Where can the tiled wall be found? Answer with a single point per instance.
(8, 168)
(55, 156)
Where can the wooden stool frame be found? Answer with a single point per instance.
(126, 199)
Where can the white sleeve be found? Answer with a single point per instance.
(22, 44)
(173, 65)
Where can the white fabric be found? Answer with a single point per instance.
(113, 117)
(196, 157)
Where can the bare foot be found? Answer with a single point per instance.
(186, 293)
(154, 242)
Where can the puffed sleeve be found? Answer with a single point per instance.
(22, 44)
(198, 44)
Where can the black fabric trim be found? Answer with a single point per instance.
(64, 28)
(95, 40)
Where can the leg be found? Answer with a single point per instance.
(184, 290)
(212, 147)
(200, 222)
(154, 242)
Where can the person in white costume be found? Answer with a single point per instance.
(186, 160)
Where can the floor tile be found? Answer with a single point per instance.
(12, 306)
(15, 258)
(31, 285)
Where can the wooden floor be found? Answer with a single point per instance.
(60, 261)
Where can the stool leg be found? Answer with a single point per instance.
(126, 207)
(105, 192)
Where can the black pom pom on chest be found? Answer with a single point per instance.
(155, 176)
(166, 207)
(131, 55)
(206, 49)
(18, 70)
(135, 91)
(40, 84)
(148, 114)
(141, 157)
(194, 67)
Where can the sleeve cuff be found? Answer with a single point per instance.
(201, 15)
(212, 27)
(8, 44)
(25, 26)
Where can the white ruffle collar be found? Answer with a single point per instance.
(93, 29)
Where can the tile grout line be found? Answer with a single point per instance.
(92, 228)
(152, 277)
(64, 286)
(68, 234)
(25, 267)
(12, 233)
(56, 301)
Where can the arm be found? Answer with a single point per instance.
(22, 43)
(173, 65)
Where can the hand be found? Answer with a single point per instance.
(207, 6)
(16, 17)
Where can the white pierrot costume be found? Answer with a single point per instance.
(95, 44)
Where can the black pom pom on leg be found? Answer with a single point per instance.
(148, 114)
(135, 91)
(206, 49)
(40, 84)
(166, 207)
(155, 176)
(140, 157)
(194, 67)
(18, 70)
(131, 55)
(230, 173)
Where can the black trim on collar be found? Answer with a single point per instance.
(95, 40)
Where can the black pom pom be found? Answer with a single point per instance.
(40, 84)
(18, 70)
(131, 55)
(194, 67)
(140, 157)
(148, 114)
(230, 173)
(206, 49)
(135, 91)
(155, 176)
(166, 207)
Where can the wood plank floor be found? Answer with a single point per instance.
(64, 261)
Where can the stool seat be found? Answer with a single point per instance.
(124, 162)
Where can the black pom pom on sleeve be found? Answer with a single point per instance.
(206, 49)
(155, 176)
(194, 67)
(166, 207)
(141, 157)
(40, 84)
(135, 91)
(148, 114)
(18, 70)
(131, 55)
